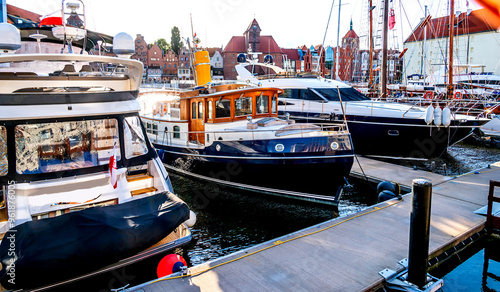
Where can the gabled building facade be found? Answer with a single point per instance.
(475, 43)
(251, 39)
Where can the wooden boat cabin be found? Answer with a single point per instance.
(199, 112)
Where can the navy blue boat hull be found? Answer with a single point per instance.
(258, 162)
(395, 137)
(38, 253)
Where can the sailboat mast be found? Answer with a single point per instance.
(371, 47)
(337, 58)
(383, 79)
(450, 54)
(424, 48)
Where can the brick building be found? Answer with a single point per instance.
(169, 65)
(251, 38)
(141, 50)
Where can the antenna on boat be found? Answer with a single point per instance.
(73, 28)
(38, 37)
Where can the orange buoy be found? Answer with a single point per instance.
(170, 264)
(457, 95)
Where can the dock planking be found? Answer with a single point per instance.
(346, 254)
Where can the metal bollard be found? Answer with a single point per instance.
(419, 232)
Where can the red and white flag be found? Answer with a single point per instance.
(112, 168)
(392, 19)
(53, 18)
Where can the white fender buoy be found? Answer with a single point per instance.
(438, 113)
(192, 219)
(429, 114)
(446, 117)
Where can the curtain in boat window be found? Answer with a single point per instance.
(135, 143)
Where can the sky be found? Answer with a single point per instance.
(291, 23)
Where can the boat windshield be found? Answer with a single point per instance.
(135, 143)
(347, 94)
(60, 146)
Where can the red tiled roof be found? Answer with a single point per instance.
(292, 54)
(236, 45)
(211, 51)
(24, 14)
(269, 45)
(351, 34)
(477, 21)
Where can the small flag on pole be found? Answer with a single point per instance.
(51, 19)
(392, 19)
(112, 168)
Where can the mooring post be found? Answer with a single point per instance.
(419, 232)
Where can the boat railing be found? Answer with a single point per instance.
(176, 137)
(469, 106)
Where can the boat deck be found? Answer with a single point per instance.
(346, 254)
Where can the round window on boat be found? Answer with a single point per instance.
(334, 145)
(279, 147)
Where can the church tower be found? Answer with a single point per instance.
(252, 36)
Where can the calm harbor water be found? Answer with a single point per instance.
(229, 220)
(475, 269)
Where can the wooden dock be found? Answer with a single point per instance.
(346, 254)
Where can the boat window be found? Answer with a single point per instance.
(262, 104)
(223, 108)
(155, 129)
(135, 144)
(273, 104)
(243, 106)
(200, 110)
(210, 110)
(4, 165)
(59, 146)
(304, 94)
(193, 110)
(347, 94)
(177, 133)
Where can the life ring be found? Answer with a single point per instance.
(457, 95)
(429, 95)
